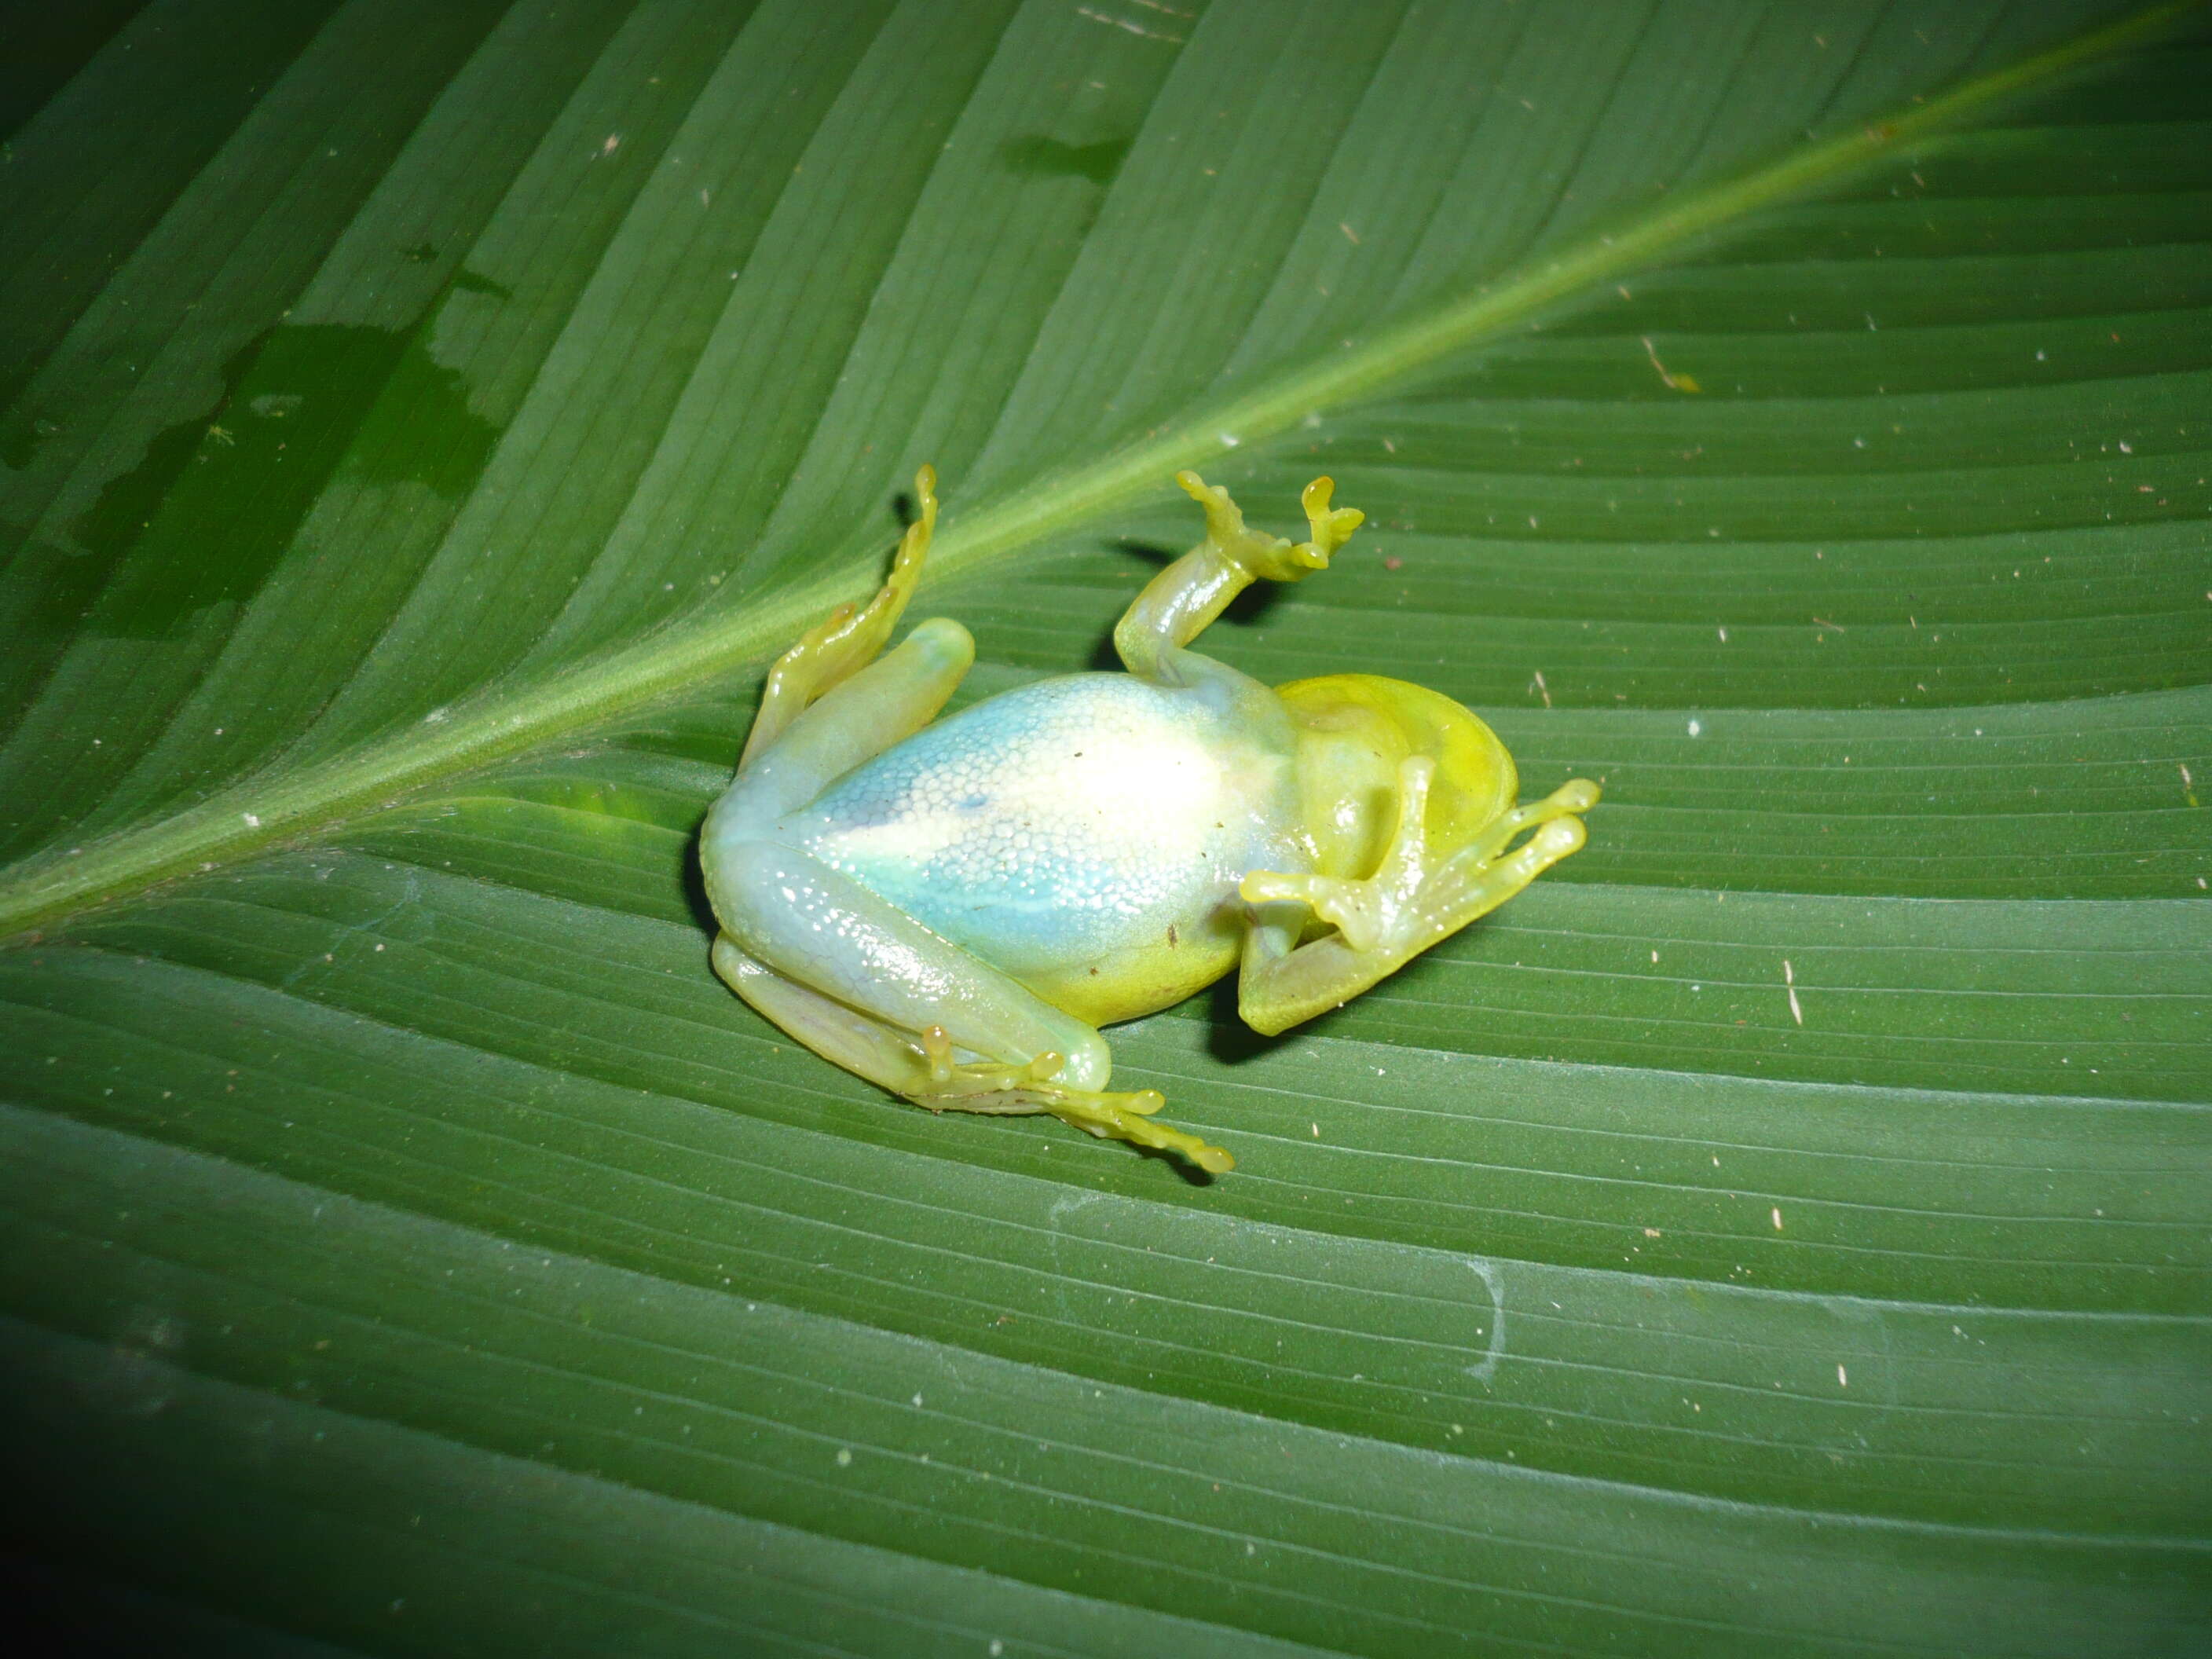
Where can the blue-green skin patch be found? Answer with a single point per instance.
(1009, 830)
(952, 909)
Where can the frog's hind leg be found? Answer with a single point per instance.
(984, 1086)
(885, 702)
(927, 1069)
(850, 638)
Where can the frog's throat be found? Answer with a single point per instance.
(1353, 731)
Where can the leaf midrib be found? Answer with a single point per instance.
(259, 814)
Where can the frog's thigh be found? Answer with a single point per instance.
(814, 925)
(884, 704)
(848, 1038)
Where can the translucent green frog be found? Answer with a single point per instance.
(952, 910)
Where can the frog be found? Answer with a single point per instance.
(953, 909)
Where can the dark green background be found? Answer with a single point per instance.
(1783, 1231)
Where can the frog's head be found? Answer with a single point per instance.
(1353, 731)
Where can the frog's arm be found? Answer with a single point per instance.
(1177, 605)
(1410, 903)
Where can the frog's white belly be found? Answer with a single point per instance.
(1064, 821)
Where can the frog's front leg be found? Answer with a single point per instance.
(1179, 603)
(1410, 903)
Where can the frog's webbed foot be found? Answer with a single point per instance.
(1412, 901)
(1002, 1090)
(1259, 555)
(850, 637)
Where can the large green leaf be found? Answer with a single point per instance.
(1784, 1231)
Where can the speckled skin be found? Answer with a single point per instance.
(951, 910)
(1008, 830)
